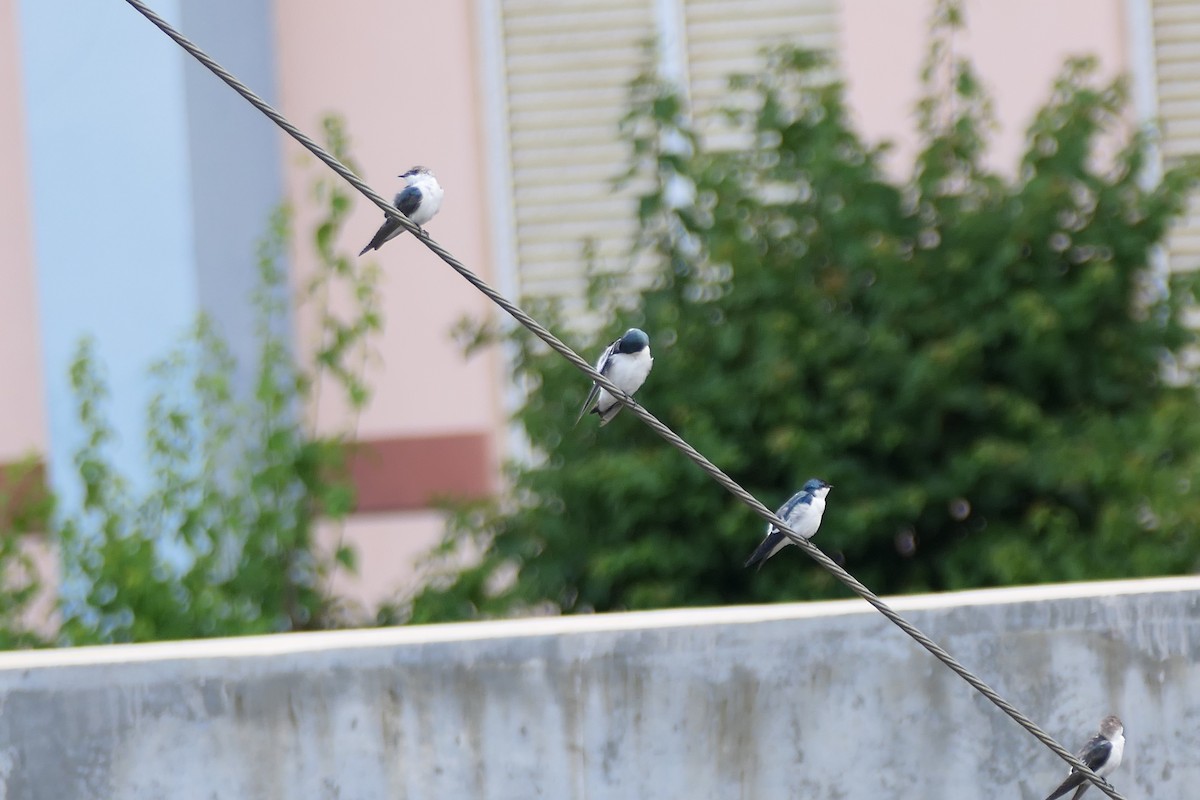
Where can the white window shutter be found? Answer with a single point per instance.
(568, 66)
(725, 39)
(1177, 67)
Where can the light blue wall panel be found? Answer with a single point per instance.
(151, 182)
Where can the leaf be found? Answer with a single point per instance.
(967, 357)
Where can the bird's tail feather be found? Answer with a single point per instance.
(765, 549)
(382, 236)
(758, 557)
(754, 561)
(592, 395)
(1073, 780)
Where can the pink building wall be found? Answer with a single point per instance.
(418, 105)
(350, 63)
(22, 399)
(1016, 46)
(406, 77)
(22, 403)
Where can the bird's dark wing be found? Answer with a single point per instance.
(602, 365)
(764, 550)
(408, 200)
(1095, 752)
(799, 498)
(605, 361)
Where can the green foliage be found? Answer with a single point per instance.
(975, 361)
(25, 507)
(25, 504)
(222, 540)
(345, 342)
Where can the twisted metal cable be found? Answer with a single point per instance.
(655, 424)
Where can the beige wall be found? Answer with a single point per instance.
(1017, 47)
(404, 77)
(392, 550)
(22, 405)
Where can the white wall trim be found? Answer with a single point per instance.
(498, 167)
(1143, 69)
(288, 644)
(672, 43)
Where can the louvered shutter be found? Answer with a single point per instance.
(725, 39)
(1177, 64)
(568, 65)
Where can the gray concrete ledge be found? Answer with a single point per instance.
(811, 700)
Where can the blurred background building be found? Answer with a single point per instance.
(136, 185)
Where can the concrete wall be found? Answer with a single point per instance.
(819, 700)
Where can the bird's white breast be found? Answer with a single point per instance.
(1114, 757)
(431, 199)
(805, 518)
(629, 370)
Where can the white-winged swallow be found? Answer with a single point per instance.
(802, 513)
(419, 200)
(1102, 755)
(626, 362)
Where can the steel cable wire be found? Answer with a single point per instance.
(659, 427)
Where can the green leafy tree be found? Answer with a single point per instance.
(25, 508)
(222, 542)
(977, 362)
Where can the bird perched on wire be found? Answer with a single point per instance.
(802, 513)
(626, 362)
(419, 200)
(1102, 755)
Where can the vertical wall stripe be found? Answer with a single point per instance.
(1139, 17)
(671, 29)
(23, 423)
(149, 186)
(111, 209)
(1177, 88)
(234, 153)
(489, 37)
(1143, 70)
